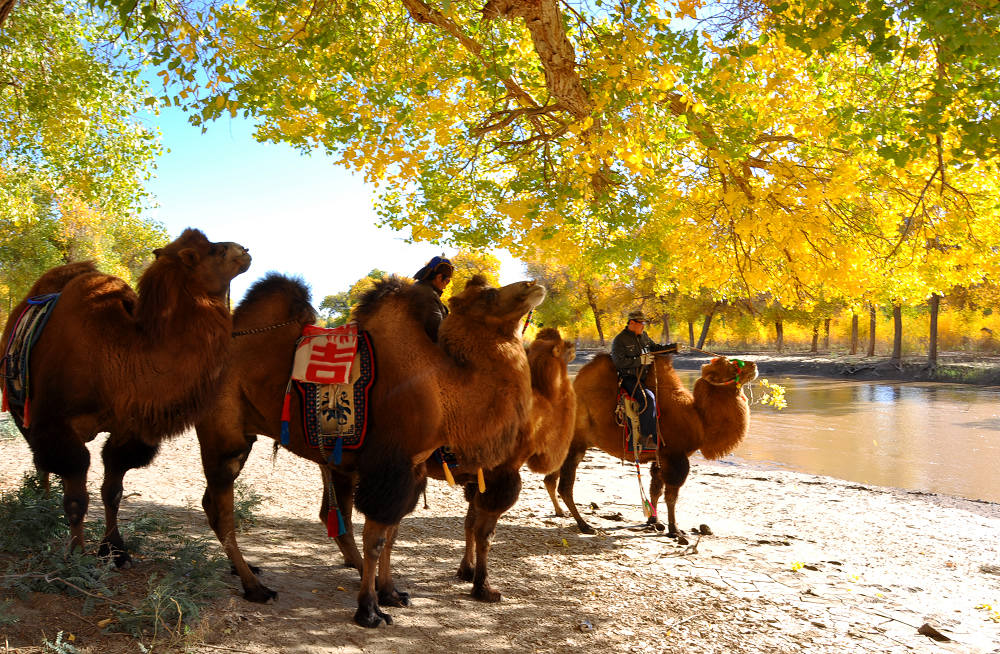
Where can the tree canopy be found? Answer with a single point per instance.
(807, 151)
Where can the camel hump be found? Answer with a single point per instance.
(291, 290)
(384, 289)
(548, 334)
(55, 279)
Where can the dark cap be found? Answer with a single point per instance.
(637, 316)
(433, 267)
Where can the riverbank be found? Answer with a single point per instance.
(795, 563)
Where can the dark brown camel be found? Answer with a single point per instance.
(542, 448)
(141, 367)
(473, 393)
(714, 419)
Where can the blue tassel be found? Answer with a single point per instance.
(285, 436)
(338, 450)
(341, 529)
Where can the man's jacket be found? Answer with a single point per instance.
(628, 347)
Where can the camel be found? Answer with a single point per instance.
(713, 419)
(139, 366)
(542, 448)
(471, 392)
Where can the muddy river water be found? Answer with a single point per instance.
(940, 438)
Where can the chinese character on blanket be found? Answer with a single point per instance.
(324, 356)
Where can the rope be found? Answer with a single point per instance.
(258, 330)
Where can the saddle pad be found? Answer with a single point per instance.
(324, 356)
(15, 364)
(340, 411)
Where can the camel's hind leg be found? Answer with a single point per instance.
(567, 477)
(655, 492)
(485, 510)
(387, 593)
(343, 488)
(222, 462)
(551, 482)
(121, 453)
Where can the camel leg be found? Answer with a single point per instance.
(222, 466)
(551, 481)
(121, 453)
(387, 593)
(466, 568)
(567, 477)
(674, 474)
(57, 449)
(485, 509)
(343, 487)
(373, 539)
(655, 492)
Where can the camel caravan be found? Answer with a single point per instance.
(378, 404)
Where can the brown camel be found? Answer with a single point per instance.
(473, 393)
(542, 448)
(141, 367)
(713, 419)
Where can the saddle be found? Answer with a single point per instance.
(15, 364)
(333, 373)
(627, 416)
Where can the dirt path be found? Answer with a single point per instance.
(797, 563)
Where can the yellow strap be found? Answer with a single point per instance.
(482, 481)
(447, 474)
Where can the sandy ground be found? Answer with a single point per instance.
(797, 563)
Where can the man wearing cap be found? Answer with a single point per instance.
(632, 353)
(432, 279)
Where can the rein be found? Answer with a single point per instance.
(739, 366)
(259, 330)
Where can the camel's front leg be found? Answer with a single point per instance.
(655, 492)
(121, 453)
(674, 472)
(373, 541)
(387, 593)
(567, 478)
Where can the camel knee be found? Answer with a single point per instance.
(675, 472)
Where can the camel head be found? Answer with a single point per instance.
(549, 340)
(499, 308)
(721, 371)
(211, 265)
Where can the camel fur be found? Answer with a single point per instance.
(542, 448)
(473, 393)
(714, 419)
(139, 366)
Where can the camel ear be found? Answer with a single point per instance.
(157, 252)
(189, 257)
(476, 280)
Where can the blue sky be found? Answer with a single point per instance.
(298, 215)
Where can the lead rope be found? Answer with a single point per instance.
(633, 418)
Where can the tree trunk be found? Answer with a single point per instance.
(5, 7)
(592, 301)
(665, 336)
(932, 345)
(854, 333)
(815, 344)
(691, 333)
(897, 334)
(704, 329)
(779, 330)
(826, 334)
(871, 330)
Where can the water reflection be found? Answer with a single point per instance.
(939, 438)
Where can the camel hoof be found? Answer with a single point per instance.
(655, 523)
(681, 538)
(395, 598)
(704, 530)
(587, 529)
(371, 618)
(260, 595)
(465, 573)
(122, 559)
(486, 594)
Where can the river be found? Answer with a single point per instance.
(932, 437)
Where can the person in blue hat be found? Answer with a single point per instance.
(632, 352)
(431, 280)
